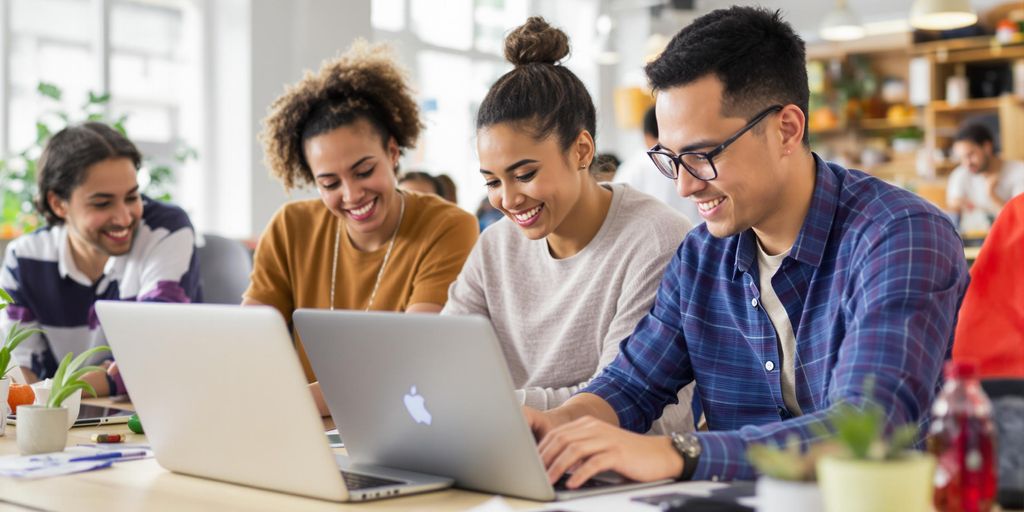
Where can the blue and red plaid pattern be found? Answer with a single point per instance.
(872, 286)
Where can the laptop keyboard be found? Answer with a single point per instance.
(589, 484)
(357, 481)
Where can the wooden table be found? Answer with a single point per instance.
(144, 485)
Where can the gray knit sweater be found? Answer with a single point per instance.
(560, 321)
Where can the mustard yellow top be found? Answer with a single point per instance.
(292, 264)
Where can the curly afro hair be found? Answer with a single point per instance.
(363, 83)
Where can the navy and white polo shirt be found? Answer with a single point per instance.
(50, 292)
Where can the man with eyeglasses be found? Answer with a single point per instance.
(806, 278)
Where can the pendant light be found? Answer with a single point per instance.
(841, 24)
(942, 14)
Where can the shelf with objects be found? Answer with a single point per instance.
(977, 78)
(860, 114)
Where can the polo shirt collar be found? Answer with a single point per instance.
(66, 262)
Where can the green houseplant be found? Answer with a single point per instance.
(14, 336)
(787, 482)
(10, 341)
(18, 169)
(44, 428)
(872, 471)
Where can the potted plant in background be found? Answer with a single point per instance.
(787, 481)
(18, 168)
(11, 340)
(872, 473)
(44, 428)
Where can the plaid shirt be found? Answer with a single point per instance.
(872, 286)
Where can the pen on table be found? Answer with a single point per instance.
(109, 455)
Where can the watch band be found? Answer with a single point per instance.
(689, 448)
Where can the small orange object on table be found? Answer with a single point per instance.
(20, 394)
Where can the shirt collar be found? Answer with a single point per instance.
(810, 243)
(66, 263)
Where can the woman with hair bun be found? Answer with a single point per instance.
(575, 264)
(364, 244)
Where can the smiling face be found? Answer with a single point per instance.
(535, 183)
(355, 175)
(750, 187)
(103, 211)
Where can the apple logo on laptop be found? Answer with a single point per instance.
(416, 406)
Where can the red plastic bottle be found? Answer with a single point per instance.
(962, 438)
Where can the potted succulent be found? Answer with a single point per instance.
(44, 428)
(11, 340)
(787, 482)
(874, 473)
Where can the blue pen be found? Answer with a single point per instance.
(108, 455)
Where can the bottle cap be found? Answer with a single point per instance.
(961, 369)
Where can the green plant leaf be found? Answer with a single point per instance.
(62, 368)
(17, 335)
(902, 439)
(42, 133)
(98, 99)
(80, 360)
(81, 372)
(5, 361)
(56, 400)
(49, 90)
(6, 297)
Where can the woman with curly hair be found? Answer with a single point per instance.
(364, 244)
(575, 264)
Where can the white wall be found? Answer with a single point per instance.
(254, 49)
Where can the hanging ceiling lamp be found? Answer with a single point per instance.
(841, 24)
(942, 14)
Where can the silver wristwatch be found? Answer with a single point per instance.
(689, 448)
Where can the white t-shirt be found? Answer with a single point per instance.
(980, 210)
(639, 172)
(767, 266)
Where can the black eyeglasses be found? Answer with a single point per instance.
(700, 164)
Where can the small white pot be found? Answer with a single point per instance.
(5, 388)
(73, 403)
(902, 485)
(774, 495)
(41, 429)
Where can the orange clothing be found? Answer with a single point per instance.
(991, 326)
(293, 260)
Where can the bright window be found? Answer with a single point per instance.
(454, 55)
(146, 57)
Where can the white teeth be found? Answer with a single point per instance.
(363, 210)
(118, 234)
(523, 217)
(709, 205)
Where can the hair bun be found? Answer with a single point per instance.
(536, 42)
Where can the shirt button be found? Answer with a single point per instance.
(753, 303)
(768, 365)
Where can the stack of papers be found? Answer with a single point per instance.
(72, 460)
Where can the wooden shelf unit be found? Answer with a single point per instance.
(888, 57)
(941, 120)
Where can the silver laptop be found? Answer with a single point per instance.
(430, 393)
(222, 395)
